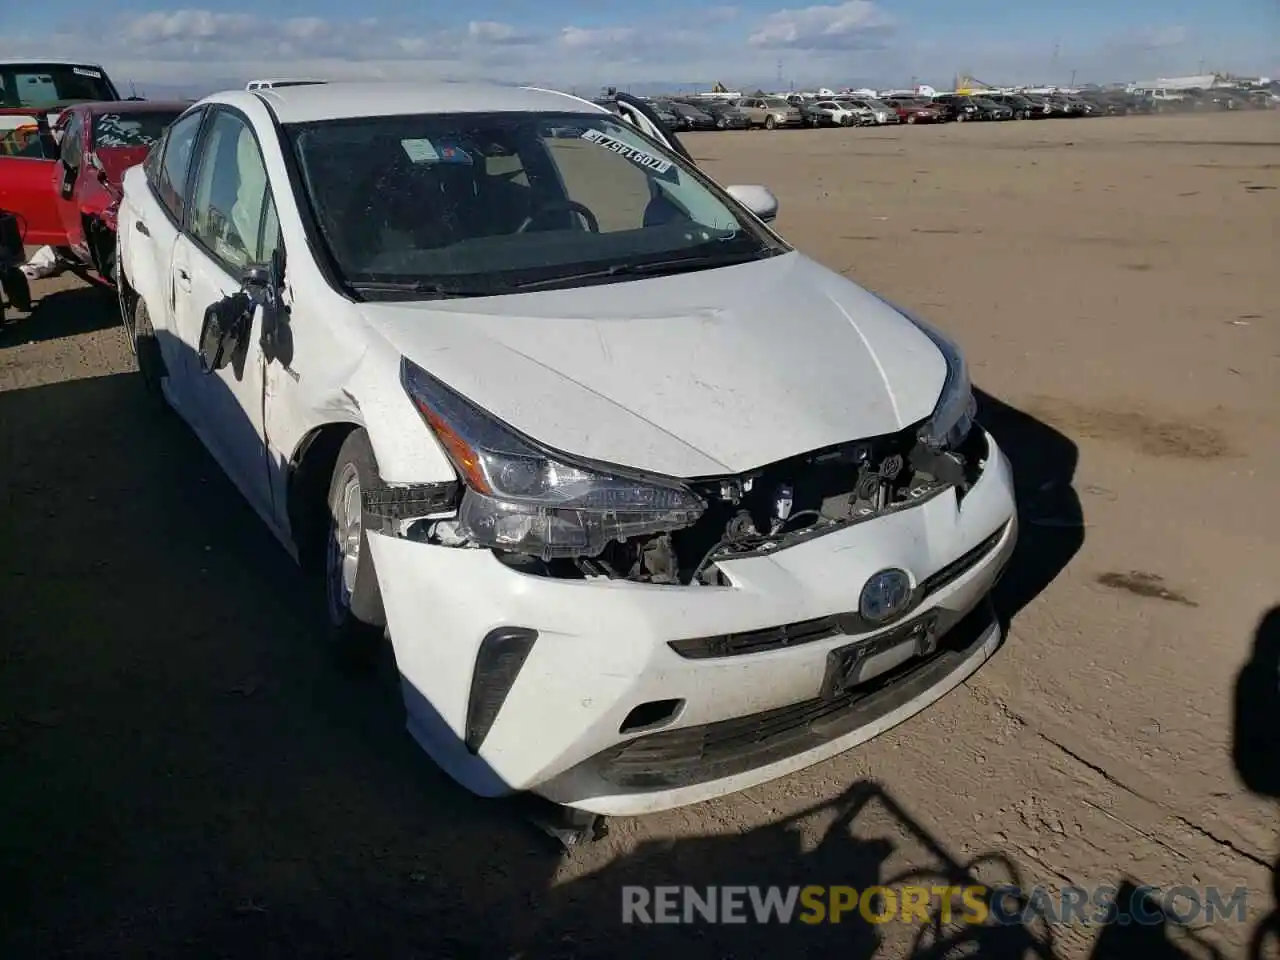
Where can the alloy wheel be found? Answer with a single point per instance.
(342, 555)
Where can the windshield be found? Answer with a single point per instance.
(775, 103)
(479, 204)
(135, 128)
(52, 85)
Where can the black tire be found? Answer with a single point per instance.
(911, 118)
(353, 599)
(770, 123)
(15, 287)
(102, 247)
(146, 350)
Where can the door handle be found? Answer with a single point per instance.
(184, 279)
(141, 228)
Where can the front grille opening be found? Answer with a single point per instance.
(682, 757)
(655, 713)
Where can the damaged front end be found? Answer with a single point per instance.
(551, 515)
(786, 503)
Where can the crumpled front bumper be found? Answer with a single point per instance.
(604, 651)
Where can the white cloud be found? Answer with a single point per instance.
(189, 26)
(598, 39)
(308, 28)
(491, 31)
(858, 24)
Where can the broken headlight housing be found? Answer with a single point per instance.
(522, 497)
(952, 417)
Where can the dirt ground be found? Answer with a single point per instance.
(183, 771)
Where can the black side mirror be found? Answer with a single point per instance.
(224, 335)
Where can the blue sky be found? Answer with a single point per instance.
(571, 43)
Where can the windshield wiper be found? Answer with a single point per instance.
(428, 288)
(654, 268)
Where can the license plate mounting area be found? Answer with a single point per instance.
(863, 660)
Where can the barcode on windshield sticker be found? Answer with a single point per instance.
(86, 72)
(658, 166)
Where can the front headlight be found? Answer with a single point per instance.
(952, 417)
(522, 497)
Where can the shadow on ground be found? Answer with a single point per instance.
(186, 773)
(1256, 750)
(1051, 520)
(63, 313)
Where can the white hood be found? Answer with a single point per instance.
(704, 373)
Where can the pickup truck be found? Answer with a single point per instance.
(33, 94)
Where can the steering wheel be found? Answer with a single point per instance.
(571, 206)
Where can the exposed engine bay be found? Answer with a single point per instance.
(768, 509)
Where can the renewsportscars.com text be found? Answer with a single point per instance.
(966, 905)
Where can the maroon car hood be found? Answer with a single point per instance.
(116, 160)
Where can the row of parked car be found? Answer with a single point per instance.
(847, 110)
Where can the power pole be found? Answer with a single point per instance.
(1073, 78)
(779, 73)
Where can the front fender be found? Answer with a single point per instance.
(364, 392)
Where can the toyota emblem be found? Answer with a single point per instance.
(885, 595)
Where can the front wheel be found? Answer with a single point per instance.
(911, 118)
(353, 599)
(770, 123)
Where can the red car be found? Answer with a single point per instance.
(27, 149)
(916, 111)
(66, 193)
(32, 94)
(98, 142)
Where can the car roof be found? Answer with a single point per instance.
(58, 61)
(355, 99)
(100, 107)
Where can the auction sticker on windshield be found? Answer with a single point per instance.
(656, 165)
(424, 151)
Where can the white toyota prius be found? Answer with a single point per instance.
(652, 507)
